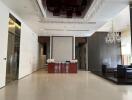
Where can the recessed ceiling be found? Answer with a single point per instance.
(67, 8)
(96, 16)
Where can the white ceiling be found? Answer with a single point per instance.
(99, 13)
(120, 22)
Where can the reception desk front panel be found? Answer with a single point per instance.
(62, 68)
(73, 68)
(51, 67)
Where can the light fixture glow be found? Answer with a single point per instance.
(113, 37)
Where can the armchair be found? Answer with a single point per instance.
(124, 71)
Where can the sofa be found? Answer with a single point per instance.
(121, 72)
(124, 71)
(107, 70)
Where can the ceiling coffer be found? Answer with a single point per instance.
(68, 8)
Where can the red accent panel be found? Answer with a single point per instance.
(73, 68)
(63, 68)
(51, 67)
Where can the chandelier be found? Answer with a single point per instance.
(113, 37)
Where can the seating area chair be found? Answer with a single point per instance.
(124, 71)
(121, 71)
(104, 67)
(107, 70)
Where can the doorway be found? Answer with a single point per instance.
(44, 50)
(81, 52)
(12, 68)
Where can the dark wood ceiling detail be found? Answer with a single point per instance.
(80, 40)
(68, 8)
(43, 39)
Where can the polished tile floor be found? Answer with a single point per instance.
(82, 86)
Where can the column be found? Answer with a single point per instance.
(131, 24)
(74, 47)
(50, 47)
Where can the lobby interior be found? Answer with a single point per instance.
(66, 49)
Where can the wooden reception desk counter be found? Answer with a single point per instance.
(67, 67)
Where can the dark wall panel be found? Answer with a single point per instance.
(45, 41)
(101, 53)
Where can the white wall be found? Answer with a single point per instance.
(28, 46)
(29, 52)
(62, 48)
(4, 13)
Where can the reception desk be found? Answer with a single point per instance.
(62, 67)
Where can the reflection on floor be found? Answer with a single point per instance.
(81, 86)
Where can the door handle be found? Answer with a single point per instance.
(4, 58)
